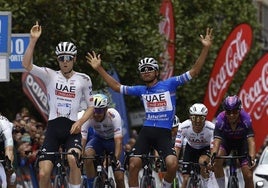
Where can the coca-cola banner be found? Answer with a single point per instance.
(254, 97)
(35, 90)
(166, 27)
(227, 63)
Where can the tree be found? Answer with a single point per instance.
(124, 32)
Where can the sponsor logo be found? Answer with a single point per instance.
(226, 65)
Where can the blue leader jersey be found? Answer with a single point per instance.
(159, 101)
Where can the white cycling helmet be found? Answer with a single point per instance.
(148, 62)
(198, 109)
(100, 101)
(176, 122)
(66, 48)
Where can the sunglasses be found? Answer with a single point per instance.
(147, 69)
(99, 110)
(201, 118)
(65, 58)
(229, 112)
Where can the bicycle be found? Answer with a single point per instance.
(104, 178)
(83, 175)
(194, 180)
(61, 179)
(232, 179)
(177, 182)
(147, 179)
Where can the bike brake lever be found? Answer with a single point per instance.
(77, 159)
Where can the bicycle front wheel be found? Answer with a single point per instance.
(111, 183)
(60, 182)
(191, 183)
(84, 182)
(98, 183)
(233, 182)
(147, 182)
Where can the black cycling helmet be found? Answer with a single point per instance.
(232, 103)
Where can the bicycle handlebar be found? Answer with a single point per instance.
(193, 163)
(60, 153)
(232, 157)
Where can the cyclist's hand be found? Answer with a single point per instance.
(116, 164)
(93, 59)
(252, 163)
(210, 165)
(207, 40)
(36, 31)
(76, 128)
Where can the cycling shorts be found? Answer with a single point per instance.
(58, 134)
(193, 155)
(156, 138)
(240, 147)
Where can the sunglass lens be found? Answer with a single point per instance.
(99, 110)
(65, 58)
(147, 69)
(229, 112)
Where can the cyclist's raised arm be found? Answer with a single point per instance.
(95, 61)
(35, 34)
(207, 42)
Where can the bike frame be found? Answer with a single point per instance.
(103, 178)
(61, 179)
(147, 179)
(232, 180)
(194, 176)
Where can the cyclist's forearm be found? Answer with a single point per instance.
(251, 147)
(118, 147)
(216, 146)
(178, 150)
(9, 153)
(109, 79)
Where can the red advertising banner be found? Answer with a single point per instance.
(35, 90)
(166, 27)
(229, 59)
(254, 97)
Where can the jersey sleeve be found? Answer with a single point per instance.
(87, 91)
(248, 124)
(84, 130)
(179, 137)
(219, 123)
(7, 133)
(116, 121)
(41, 72)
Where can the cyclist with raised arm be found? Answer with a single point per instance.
(198, 133)
(6, 149)
(65, 89)
(159, 100)
(234, 131)
(107, 125)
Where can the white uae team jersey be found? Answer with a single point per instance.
(6, 131)
(195, 140)
(65, 95)
(110, 127)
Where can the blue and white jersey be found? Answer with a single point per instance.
(159, 100)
